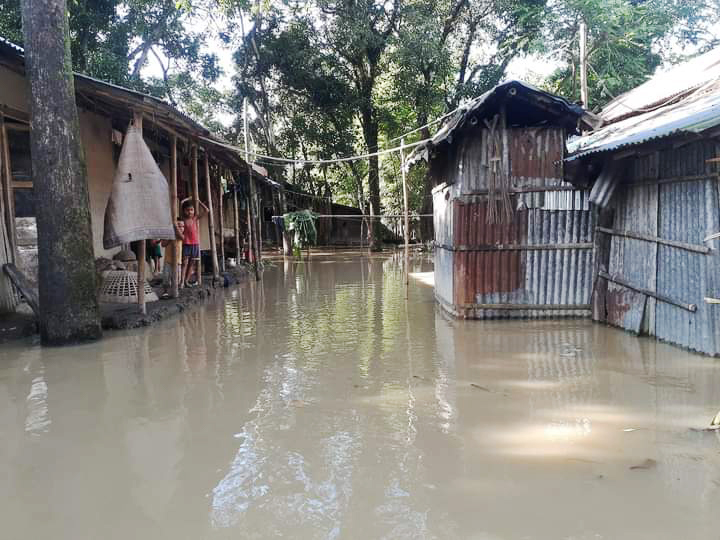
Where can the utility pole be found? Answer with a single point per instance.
(407, 216)
(583, 66)
(69, 309)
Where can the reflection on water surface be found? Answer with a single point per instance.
(318, 403)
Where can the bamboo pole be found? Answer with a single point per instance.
(174, 277)
(211, 217)
(407, 216)
(196, 204)
(138, 124)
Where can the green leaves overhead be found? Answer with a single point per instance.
(627, 41)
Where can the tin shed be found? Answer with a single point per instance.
(512, 239)
(658, 201)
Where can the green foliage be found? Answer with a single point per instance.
(627, 41)
(113, 40)
(331, 78)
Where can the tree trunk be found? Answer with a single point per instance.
(67, 282)
(370, 131)
(427, 231)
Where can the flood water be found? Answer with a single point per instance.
(319, 404)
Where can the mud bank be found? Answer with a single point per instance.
(127, 316)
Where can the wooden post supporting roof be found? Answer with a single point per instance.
(251, 239)
(196, 204)
(253, 221)
(137, 123)
(174, 277)
(236, 222)
(211, 217)
(221, 222)
(7, 193)
(8, 299)
(287, 243)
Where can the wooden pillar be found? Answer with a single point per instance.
(251, 227)
(601, 257)
(221, 223)
(287, 242)
(236, 223)
(138, 123)
(196, 202)
(211, 217)
(7, 193)
(253, 222)
(174, 277)
(406, 216)
(8, 299)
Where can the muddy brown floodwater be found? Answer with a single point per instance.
(317, 404)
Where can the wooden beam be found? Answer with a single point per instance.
(196, 202)
(211, 217)
(522, 307)
(174, 277)
(517, 247)
(221, 218)
(15, 114)
(236, 222)
(654, 239)
(7, 189)
(653, 294)
(137, 123)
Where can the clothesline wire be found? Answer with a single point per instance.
(364, 216)
(439, 119)
(315, 161)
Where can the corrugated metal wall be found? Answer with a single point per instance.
(542, 258)
(672, 195)
(443, 225)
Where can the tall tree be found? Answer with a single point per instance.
(68, 300)
(360, 32)
(627, 41)
(449, 50)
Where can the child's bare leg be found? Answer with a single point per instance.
(184, 271)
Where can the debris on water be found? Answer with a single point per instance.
(711, 429)
(581, 460)
(645, 465)
(489, 390)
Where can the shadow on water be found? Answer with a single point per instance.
(318, 403)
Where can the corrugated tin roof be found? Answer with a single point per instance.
(146, 99)
(665, 87)
(535, 107)
(11, 45)
(694, 113)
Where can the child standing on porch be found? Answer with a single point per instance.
(172, 271)
(191, 241)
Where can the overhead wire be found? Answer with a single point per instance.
(314, 161)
